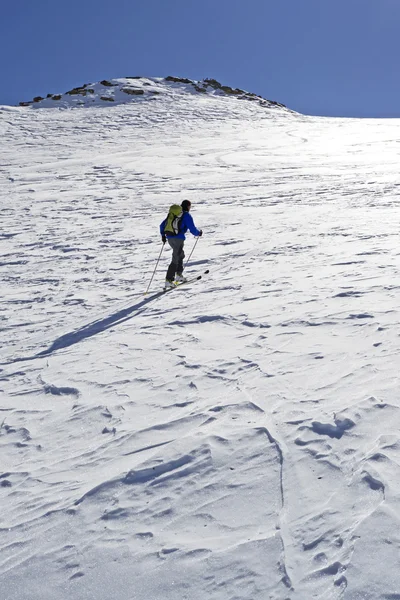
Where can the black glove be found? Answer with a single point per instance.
(201, 232)
(164, 238)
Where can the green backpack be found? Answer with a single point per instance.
(173, 220)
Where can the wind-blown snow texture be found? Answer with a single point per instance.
(237, 438)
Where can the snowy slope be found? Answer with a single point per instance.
(237, 438)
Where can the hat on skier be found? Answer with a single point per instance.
(186, 204)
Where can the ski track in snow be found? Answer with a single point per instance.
(236, 438)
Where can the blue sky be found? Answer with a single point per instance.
(319, 57)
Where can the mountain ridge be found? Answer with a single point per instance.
(134, 88)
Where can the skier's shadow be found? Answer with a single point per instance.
(91, 329)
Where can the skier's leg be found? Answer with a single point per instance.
(179, 268)
(176, 245)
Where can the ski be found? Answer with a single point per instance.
(191, 280)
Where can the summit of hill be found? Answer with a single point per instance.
(128, 89)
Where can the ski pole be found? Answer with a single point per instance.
(197, 239)
(155, 268)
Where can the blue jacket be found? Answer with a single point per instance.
(186, 223)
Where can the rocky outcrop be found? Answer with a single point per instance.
(133, 91)
(178, 79)
(77, 91)
(229, 90)
(213, 83)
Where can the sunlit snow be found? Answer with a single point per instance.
(238, 437)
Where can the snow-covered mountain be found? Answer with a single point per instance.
(238, 437)
(128, 89)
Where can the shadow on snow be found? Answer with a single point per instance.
(69, 339)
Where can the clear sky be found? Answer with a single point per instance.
(321, 57)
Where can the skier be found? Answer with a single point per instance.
(173, 229)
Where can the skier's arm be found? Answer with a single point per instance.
(162, 231)
(191, 226)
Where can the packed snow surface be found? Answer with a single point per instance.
(238, 437)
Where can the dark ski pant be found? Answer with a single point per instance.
(178, 255)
